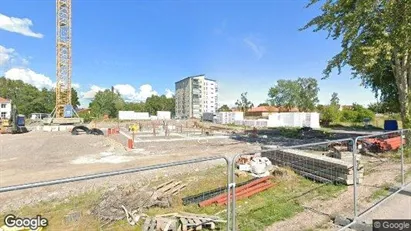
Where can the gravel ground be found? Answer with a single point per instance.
(38, 156)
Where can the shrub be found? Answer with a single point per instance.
(329, 114)
(357, 114)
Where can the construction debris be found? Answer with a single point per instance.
(210, 194)
(258, 166)
(116, 203)
(181, 222)
(94, 131)
(242, 192)
(380, 145)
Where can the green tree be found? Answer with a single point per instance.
(106, 103)
(137, 107)
(301, 93)
(375, 35)
(285, 94)
(224, 108)
(335, 100)
(330, 113)
(75, 102)
(263, 104)
(308, 94)
(159, 103)
(243, 104)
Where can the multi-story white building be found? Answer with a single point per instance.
(5, 108)
(196, 95)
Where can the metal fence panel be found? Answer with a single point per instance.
(309, 184)
(158, 195)
(387, 170)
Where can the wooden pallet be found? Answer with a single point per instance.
(160, 224)
(170, 188)
(196, 223)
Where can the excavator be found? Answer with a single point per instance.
(15, 125)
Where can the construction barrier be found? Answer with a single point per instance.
(132, 194)
(340, 180)
(300, 176)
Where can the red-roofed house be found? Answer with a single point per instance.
(5, 108)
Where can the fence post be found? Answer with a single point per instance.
(402, 158)
(354, 154)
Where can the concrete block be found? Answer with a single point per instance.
(47, 128)
(54, 128)
(341, 221)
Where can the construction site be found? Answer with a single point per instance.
(116, 201)
(179, 174)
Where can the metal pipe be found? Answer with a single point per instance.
(354, 153)
(228, 192)
(402, 159)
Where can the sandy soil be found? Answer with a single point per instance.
(39, 156)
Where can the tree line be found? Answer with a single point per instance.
(302, 94)
(110, 102)
(376, 44)
(28, 99)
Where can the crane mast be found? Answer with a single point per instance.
(63, 62)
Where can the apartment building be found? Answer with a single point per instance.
(195, 95)
(5, 108)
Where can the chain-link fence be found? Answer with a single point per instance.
(298, 188)
(158, 197)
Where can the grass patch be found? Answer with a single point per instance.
(255, 213)
(55, 211)
(382, 192)
(281, 202)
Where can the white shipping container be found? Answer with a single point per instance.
(164, 115)
(131, 115)
(294, 119)
(142, 115)
(238, 115)
(126, 115)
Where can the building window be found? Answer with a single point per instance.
(3, 105)
(3, 115)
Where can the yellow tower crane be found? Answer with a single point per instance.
(63, 112)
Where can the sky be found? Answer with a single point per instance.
(143, 47)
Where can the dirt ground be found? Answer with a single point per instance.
(39, 156)
(317, 214)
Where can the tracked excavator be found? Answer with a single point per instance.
(15, 125)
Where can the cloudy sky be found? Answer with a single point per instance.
(143, 47)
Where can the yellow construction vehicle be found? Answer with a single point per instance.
(16, 124)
